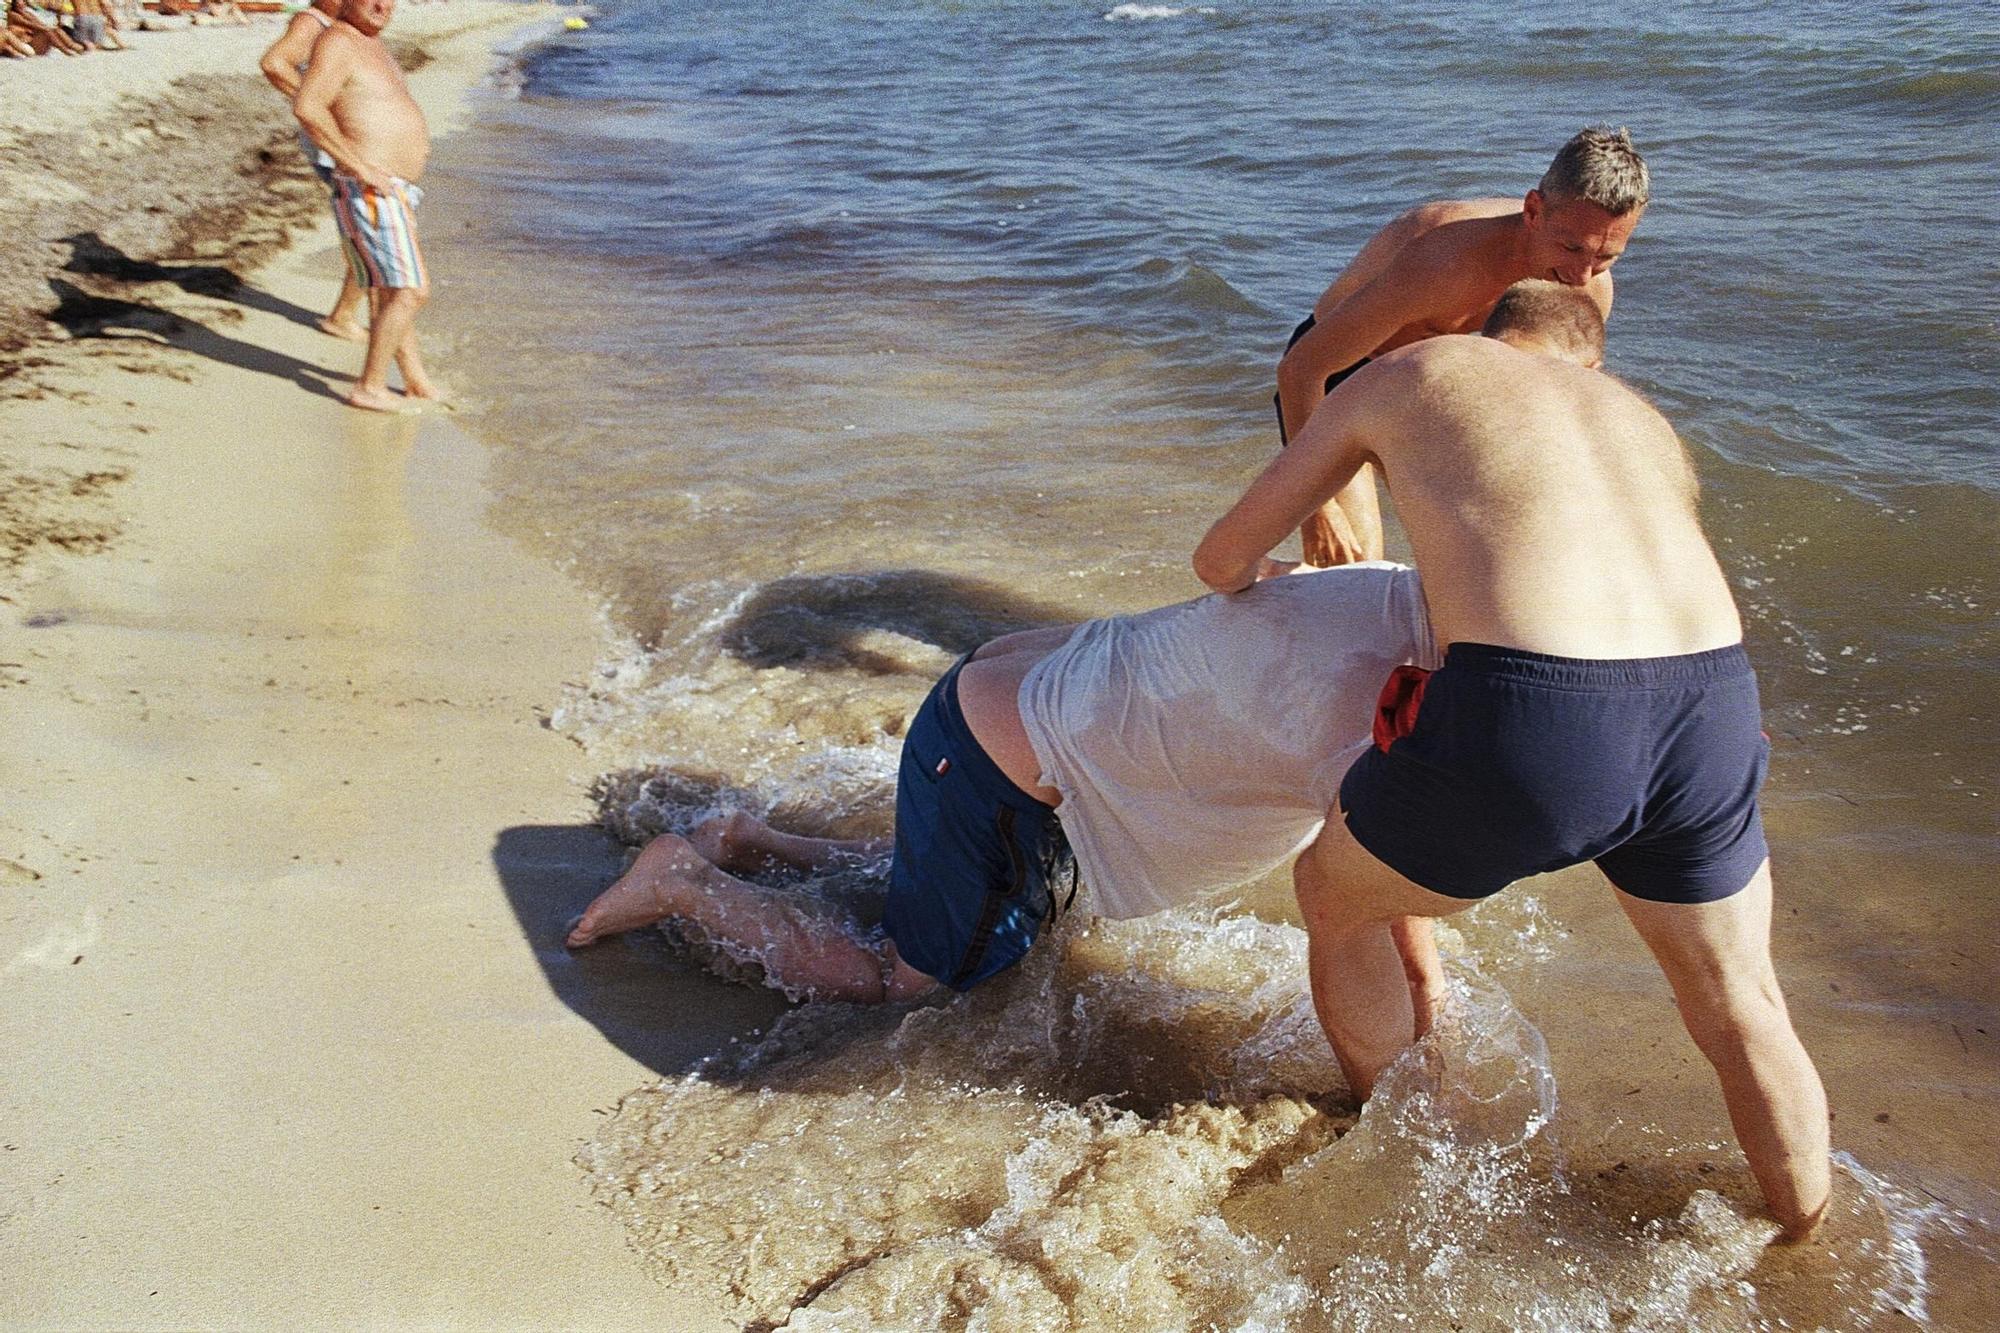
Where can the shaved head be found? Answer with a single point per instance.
(1562, 319)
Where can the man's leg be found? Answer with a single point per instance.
(395, 312)
(1717, 958)
(671, 880)
(1376, 979)
(741, 842)
(344, 320)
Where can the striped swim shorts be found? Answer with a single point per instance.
(378, 232)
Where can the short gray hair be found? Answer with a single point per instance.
(1562, 318)
(1599, 165)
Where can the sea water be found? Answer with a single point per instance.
(825, 342)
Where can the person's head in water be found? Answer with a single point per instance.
(1581, 216)
(1548, 317)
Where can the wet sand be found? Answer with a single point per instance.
(289, 1036)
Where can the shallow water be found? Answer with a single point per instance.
(826, 343)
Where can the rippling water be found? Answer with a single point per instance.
(825, 342)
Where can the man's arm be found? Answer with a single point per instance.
(1717, 958)
(1319, 461)
(281, 62)
(334, 59)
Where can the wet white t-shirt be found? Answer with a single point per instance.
(1200, 746)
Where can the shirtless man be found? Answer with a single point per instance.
(284, 64)
(1595, 702)
(353, 103)
(1177, 752)
(1438, 269)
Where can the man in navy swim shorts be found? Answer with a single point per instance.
(1594, 702)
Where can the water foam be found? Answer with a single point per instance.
(1142, 1126)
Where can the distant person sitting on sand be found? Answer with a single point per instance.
(1595, 702)
(39, 35)
(354, 103)
(284, 64)
(93, 23)
(205, 13)
(1177, 752)
(1439, 268)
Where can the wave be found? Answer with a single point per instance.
(1141, 13)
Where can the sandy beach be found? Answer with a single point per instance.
(287, 846)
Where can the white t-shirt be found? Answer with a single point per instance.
(1200, 746)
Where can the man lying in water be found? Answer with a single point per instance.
(1173, 753)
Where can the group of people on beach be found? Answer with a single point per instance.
(77, 27)
(94, 25)
(1560, 678)
(368, 142)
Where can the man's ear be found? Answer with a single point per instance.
(1531, 208)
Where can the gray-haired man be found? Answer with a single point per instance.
(1440, 268)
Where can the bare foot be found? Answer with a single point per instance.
(429, 390)
(345, 329)
(731, 841)
(378, 400)
(662, 877)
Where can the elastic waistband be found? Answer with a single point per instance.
(979, 765)
(1598, 673)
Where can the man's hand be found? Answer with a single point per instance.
(374, 177)
(1327, 539)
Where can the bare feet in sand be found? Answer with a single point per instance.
(380, 400)
(651, 891)
(347, 331)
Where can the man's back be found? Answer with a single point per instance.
(1551, 508)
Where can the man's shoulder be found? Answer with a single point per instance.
(1437, 212)
(1437, 354)
(340, 37)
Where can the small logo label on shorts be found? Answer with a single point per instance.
(944, 767)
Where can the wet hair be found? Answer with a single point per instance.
(1601, 166)
(1563, 319)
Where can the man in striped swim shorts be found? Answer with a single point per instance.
(354, 104)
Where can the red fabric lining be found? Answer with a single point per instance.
(1396, 708)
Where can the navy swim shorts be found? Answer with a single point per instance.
(1504, 764)
(1332, 381)
(977, 859)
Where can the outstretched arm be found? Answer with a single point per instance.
(1717, 958)
(1324, 457)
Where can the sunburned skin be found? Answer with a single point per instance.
(1436, 269)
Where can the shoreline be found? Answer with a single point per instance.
(285, 814)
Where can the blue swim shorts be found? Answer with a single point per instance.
(977, 859)
(1505, 763)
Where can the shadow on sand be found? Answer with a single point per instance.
(90, 255)
(649, 1000)
(111, 318)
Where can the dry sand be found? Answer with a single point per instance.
(286, 849)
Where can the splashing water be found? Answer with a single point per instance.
(1142, 1126)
